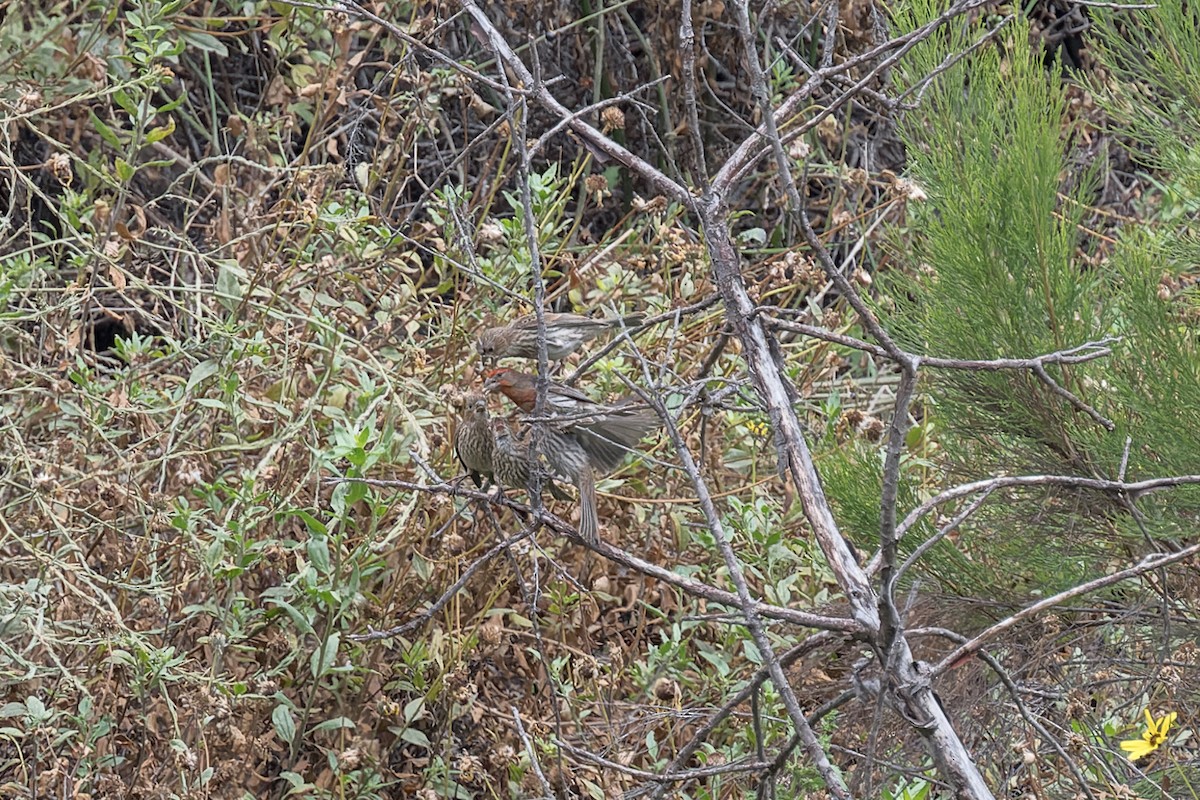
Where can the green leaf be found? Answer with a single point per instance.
(206, 42)
(125, 170)
(413, 709)
(284, 723)
(106, 133)
(126, 102)
(753, 236)
(298, 619)
(294, 778)
(334, 724)
(13, 710)
(170, 106)
(161, 132)
(229, 286)
(202, 372)
(323, 657)
(357, 457)
(414, 736)
(313, 524)
(357, 491)
(318, 553)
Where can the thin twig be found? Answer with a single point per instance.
(563, 528)
(733, 768)
(1148, 564)
(944, 531)
(447, 595)
(1022, 708)
(1133, 489)
(760, 676)
(547, 792)
(747, 604)
(662, 184)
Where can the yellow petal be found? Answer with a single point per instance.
(1149, 720)
(1137, 748)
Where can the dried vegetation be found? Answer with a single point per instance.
(245, 249)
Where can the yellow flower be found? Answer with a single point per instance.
(757, 427)
(1152, 739)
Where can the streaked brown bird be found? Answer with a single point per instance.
(474, 442)
(565, 333)
(512, 460)
(606, 432)
(566, 459)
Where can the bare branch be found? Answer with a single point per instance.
(594, 137)
(447, 595)
(677, 777)
(547, 792)
(748, 607)
(757, 145)
(563, 528)
(1132, 489)
(761, 676)
(1013, 692)
(1103, 421)
(920, 86)
(889, 615)
(1080, 354)
(687, 44)
(944, 531)
(1148, 564)
(624, 97)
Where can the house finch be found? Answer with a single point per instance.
(565, 333)
(513, 462)
(566, 459)
(474, 441)
(606, 433)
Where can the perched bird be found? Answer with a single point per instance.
(474, 441)
(565, 333)
(512, 461)
(606, 432)
(566, 459)
(488, 447)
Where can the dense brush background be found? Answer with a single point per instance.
(244, 250)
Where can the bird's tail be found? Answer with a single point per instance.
(589, 522)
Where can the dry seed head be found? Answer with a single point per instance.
(799, 150)
(596, 186)
(611, 119)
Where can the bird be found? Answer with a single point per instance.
(474, 441)
(605, 432)
(487, 447)
(565, 458)
(565, 333)
(513, 463)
